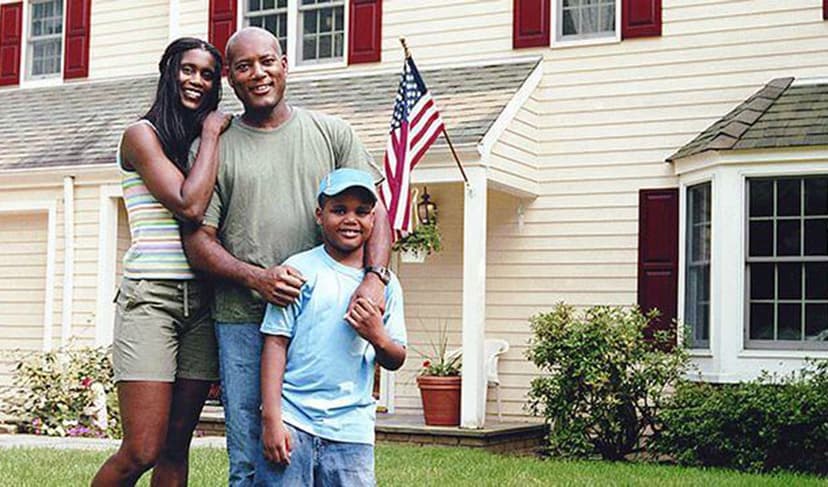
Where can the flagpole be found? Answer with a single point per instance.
(445, 133)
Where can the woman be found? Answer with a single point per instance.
(164, 350)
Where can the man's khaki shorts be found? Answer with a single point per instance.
(163, 331)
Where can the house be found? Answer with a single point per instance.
(672, 153)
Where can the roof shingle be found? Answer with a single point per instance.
(80, 123)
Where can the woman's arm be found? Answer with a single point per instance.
(186, 197)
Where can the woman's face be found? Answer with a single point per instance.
(195, 77)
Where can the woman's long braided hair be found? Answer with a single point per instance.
(176, 125)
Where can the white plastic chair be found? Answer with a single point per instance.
(493, 348)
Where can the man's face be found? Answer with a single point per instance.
(347, 220)
(257, 72)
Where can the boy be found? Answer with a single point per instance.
(318, 363)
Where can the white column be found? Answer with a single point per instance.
(49, 295)
(473, 403)
(107, 250)
(174, 20)
(68, 258)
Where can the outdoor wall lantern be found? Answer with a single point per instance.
(426, 209)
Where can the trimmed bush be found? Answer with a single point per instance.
(768, 424)
(60, 393)
(604, 383)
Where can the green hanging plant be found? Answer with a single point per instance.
(424, 239)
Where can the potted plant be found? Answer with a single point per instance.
(439, 382)
(424, 240)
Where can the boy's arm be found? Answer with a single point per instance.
(366, 318)
(275, 437)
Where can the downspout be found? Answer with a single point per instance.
(68, 258)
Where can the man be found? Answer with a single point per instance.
(272, 160)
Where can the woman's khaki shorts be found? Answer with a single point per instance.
(163, 331)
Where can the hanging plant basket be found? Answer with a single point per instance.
(441, 399)
(412, 256)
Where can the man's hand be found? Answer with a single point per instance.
(372, 289)
(279, 284)
(276, 441)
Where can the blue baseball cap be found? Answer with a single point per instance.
(341, 179)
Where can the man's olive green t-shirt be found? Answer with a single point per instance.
(265, 196)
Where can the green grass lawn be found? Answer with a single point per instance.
(403, 466)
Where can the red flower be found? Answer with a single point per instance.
(86, 382)
(426, 364)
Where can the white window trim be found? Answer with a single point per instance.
(728, 360)
(41, 81)
(682, 272)
(558, 42)
(292, 48)
(108, 199)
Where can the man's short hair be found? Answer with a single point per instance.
(246, 31)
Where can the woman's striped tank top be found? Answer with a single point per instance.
(156, 251)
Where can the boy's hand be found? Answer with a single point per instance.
(366, 319)
(372, 289)
(279, 284)
(276, 441)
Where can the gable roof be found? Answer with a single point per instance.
(80, 123)
(781, 114)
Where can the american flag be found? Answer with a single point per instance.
(414, 126)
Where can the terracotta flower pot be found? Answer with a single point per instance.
(441, 400)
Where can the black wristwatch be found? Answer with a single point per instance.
(382, 272)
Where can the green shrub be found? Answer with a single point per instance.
(603, 382)
(53, 392)
(767, 424)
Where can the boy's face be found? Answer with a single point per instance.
(347, 220)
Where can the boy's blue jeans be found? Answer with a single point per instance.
(315, 461)
(240, 356)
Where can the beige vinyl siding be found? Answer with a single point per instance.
(194, 18)
(23, 240)
(87, 254)
(127, 38)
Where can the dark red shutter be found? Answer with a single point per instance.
(11, 29)
(530, 23)
(76, 60)
(365, 31)
(640, 18)
(658, 254)
(824, 9)
(222, 23)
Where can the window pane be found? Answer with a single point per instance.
(326, 20)
(339, 45)
(309, 22)
(816, 196)
(256, 21)
(608, 18)
(270, 24)
(761, 198)
(340, 19)
(281, 3)
(308, 48)
(787, 237)
(761, 238)
(790, 322)
(816, 280)
(761, 321)
(816, 237)
(324, 46)
(788, 198)
(790, 281)
(816, 322)
(570, 22)
(253, 5)
(269, 4)
(761, 281)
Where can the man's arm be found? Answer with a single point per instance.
(278, 284)
(275, 437)
(366, 319)
(377, 253)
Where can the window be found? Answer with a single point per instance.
(586, 19)
(310, 31)
(323, 29)
(45, 39)
(787, 262)
(271, 15)
(697, 265)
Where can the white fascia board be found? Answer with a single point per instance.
(54, 175)
(510, 111)
(786, 155)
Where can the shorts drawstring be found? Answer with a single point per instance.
(186, 299)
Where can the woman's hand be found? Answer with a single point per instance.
(216, 123)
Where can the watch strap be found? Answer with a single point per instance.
(382, 272)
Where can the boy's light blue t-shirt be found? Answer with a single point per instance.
(329, 374)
